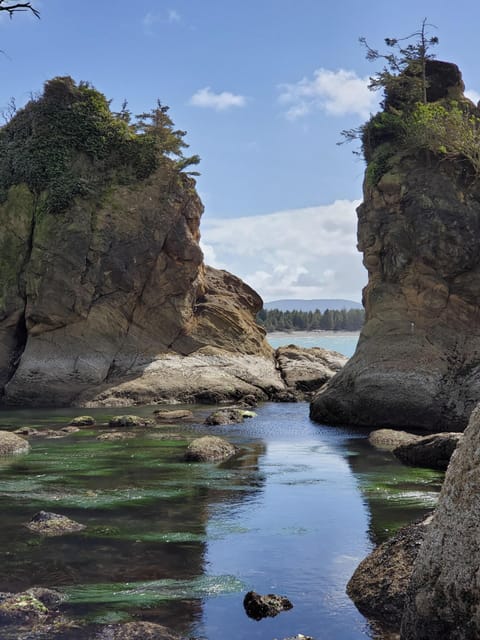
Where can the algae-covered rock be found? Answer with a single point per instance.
(433, 452)
(83, 421)
(172, 415)
(268, 606)
(53, 524)
(11, 444)
(129, 421)
(210, 449)
(114, 436)
(136, 631)
(229, 415)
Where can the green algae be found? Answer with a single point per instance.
(151, 593)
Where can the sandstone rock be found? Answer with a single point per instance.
(226, 416)
(417, 361)
(83, 421)
(444, 595)
(390, 439)
(172, 415)
(433, 452)
(379, 585)
(306, 370)
(129, 421)
(10, 444)
(53, 524)
(210, 449)
(268, 606)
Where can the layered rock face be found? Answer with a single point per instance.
(417, 364)
(444, 594)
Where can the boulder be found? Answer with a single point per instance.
(53, 524)
(210, 449)
(379, 585)
(129, 421)
(21, 608)
(26, 431)
(390, 439)
(443, 600)
(11, 443)
(83, 421)
(268, 606)
(305, 371)
(230, 415)
(416, 365)
(178, 415)
(113, 436)
(433, 452)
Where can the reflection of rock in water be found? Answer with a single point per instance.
(394, 493)
(159, 534)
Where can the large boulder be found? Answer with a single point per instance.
(444, 594)
(416, 365)
(11, 443)
(379, 585)
(433, 452)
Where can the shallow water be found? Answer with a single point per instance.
(180, 543)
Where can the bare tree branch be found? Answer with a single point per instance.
(18, 6)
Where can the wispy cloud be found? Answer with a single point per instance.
(219, 101)
(150, 19)
(336, 93)
(301, 253)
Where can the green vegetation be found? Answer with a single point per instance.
(67, 143)
(329, 320)
(412, 120)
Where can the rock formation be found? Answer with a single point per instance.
(417, 364)
(444, 594)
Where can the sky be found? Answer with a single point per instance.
(263, 88)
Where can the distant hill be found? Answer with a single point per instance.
(311, 305)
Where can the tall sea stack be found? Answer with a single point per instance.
(417, 364)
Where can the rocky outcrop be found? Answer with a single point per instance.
(379, 585)
(444, 594)
(268, 606)
(391, 439)
(417, 363)
(53, 524)
(433, 452)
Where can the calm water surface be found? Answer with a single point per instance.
(180, 543)
(342, 342)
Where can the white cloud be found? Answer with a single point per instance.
(473, 95)
(336, 92)
(219, 101)
(300, 253)
(150, 19)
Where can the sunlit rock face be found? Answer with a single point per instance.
(417, 363)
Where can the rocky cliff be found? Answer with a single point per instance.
(443, 600)
(417, 363)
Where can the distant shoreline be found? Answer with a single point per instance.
(315, 332)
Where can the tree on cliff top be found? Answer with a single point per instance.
(16, 7)
(67, 142)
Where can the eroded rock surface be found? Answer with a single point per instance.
(210, 449)
(390, 439)
(433, 452)
(444, 595)
(416, 365)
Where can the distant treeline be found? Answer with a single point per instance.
(329, 320)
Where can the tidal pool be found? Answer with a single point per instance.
(180, 544)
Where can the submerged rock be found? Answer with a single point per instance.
(268, 606)
(136, 631)
(129, 421)
(230, 415)
(11, 444)
(113, 436)
(444, 595)
(53, 524)
(379, 585)
(433, 452)
(210, 449)
(21, 608)
(163, 415)
(416, 365)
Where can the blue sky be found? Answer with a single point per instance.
(263, 88)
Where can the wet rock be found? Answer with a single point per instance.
(11, 443)
(210, 449)
(433, 452)
(113, 436)
(21, 608)
(257, 606)
(173, 415)
(285, 396)
(129, 421)
(69, 429)
(50, 598)
(229, 415)
(26, 431)
(83, 421)
(53, 524)
(49, 433)
(379, 585)
(443, 600)
(249, 400)
(136, 631)
(390, 439)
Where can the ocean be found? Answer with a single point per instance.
(342, 341)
